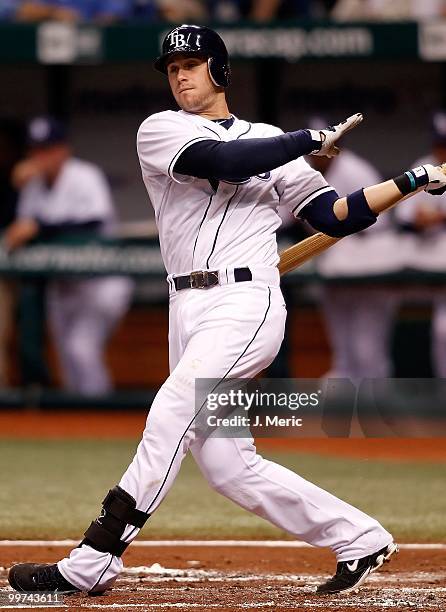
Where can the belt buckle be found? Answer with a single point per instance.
(202, 279)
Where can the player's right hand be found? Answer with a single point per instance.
(331, 135)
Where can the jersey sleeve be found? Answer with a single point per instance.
(299, 184)
(162, 138)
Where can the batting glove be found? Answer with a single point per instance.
(437, 179)
(328, 137)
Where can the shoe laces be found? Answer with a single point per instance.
(48, 578)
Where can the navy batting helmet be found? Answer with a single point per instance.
(197, 40)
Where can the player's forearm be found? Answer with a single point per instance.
(356, 211)
(379, 198)
(383, 196)
(339, 217)
(240, 159)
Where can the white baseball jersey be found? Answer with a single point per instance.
(80, 194)
(235, 226)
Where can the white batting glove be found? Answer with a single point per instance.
(328, 137)
(437, 179)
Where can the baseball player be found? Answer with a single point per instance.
(358, 318)
(424, 220)
(215, 182)
(61, 195)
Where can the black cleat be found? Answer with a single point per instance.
(351, 574)
(32, 577)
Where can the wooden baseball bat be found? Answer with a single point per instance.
(301, 252)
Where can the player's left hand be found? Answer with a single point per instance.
(331, 135)
(437, 179)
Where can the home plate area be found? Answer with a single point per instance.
(203, 577)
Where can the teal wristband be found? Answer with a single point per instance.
(413, 183)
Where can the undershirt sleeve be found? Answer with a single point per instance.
(238, 160)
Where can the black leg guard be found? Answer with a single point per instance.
(118, 511)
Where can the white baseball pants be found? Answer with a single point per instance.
(233, 330)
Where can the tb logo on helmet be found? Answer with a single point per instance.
(177, 39)
(197, 40)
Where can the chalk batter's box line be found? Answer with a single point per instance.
(208, 544)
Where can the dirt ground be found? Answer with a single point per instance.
(237, 578)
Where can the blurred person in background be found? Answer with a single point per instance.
(8, 9)
(425, 218)
(359, 319)
(100, 11)
(347, 10)
(184, 11)
(61, 197)
(11, 150)
(259, 10)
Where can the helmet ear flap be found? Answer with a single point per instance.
(219, 72)
(210, 70)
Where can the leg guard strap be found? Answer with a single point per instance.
(124, 509)
(119, 510)
(100, 538)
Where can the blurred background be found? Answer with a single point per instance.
(83, 299)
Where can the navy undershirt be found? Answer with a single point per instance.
(226, 123)
(237, 160)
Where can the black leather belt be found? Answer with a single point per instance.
(208, 278)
